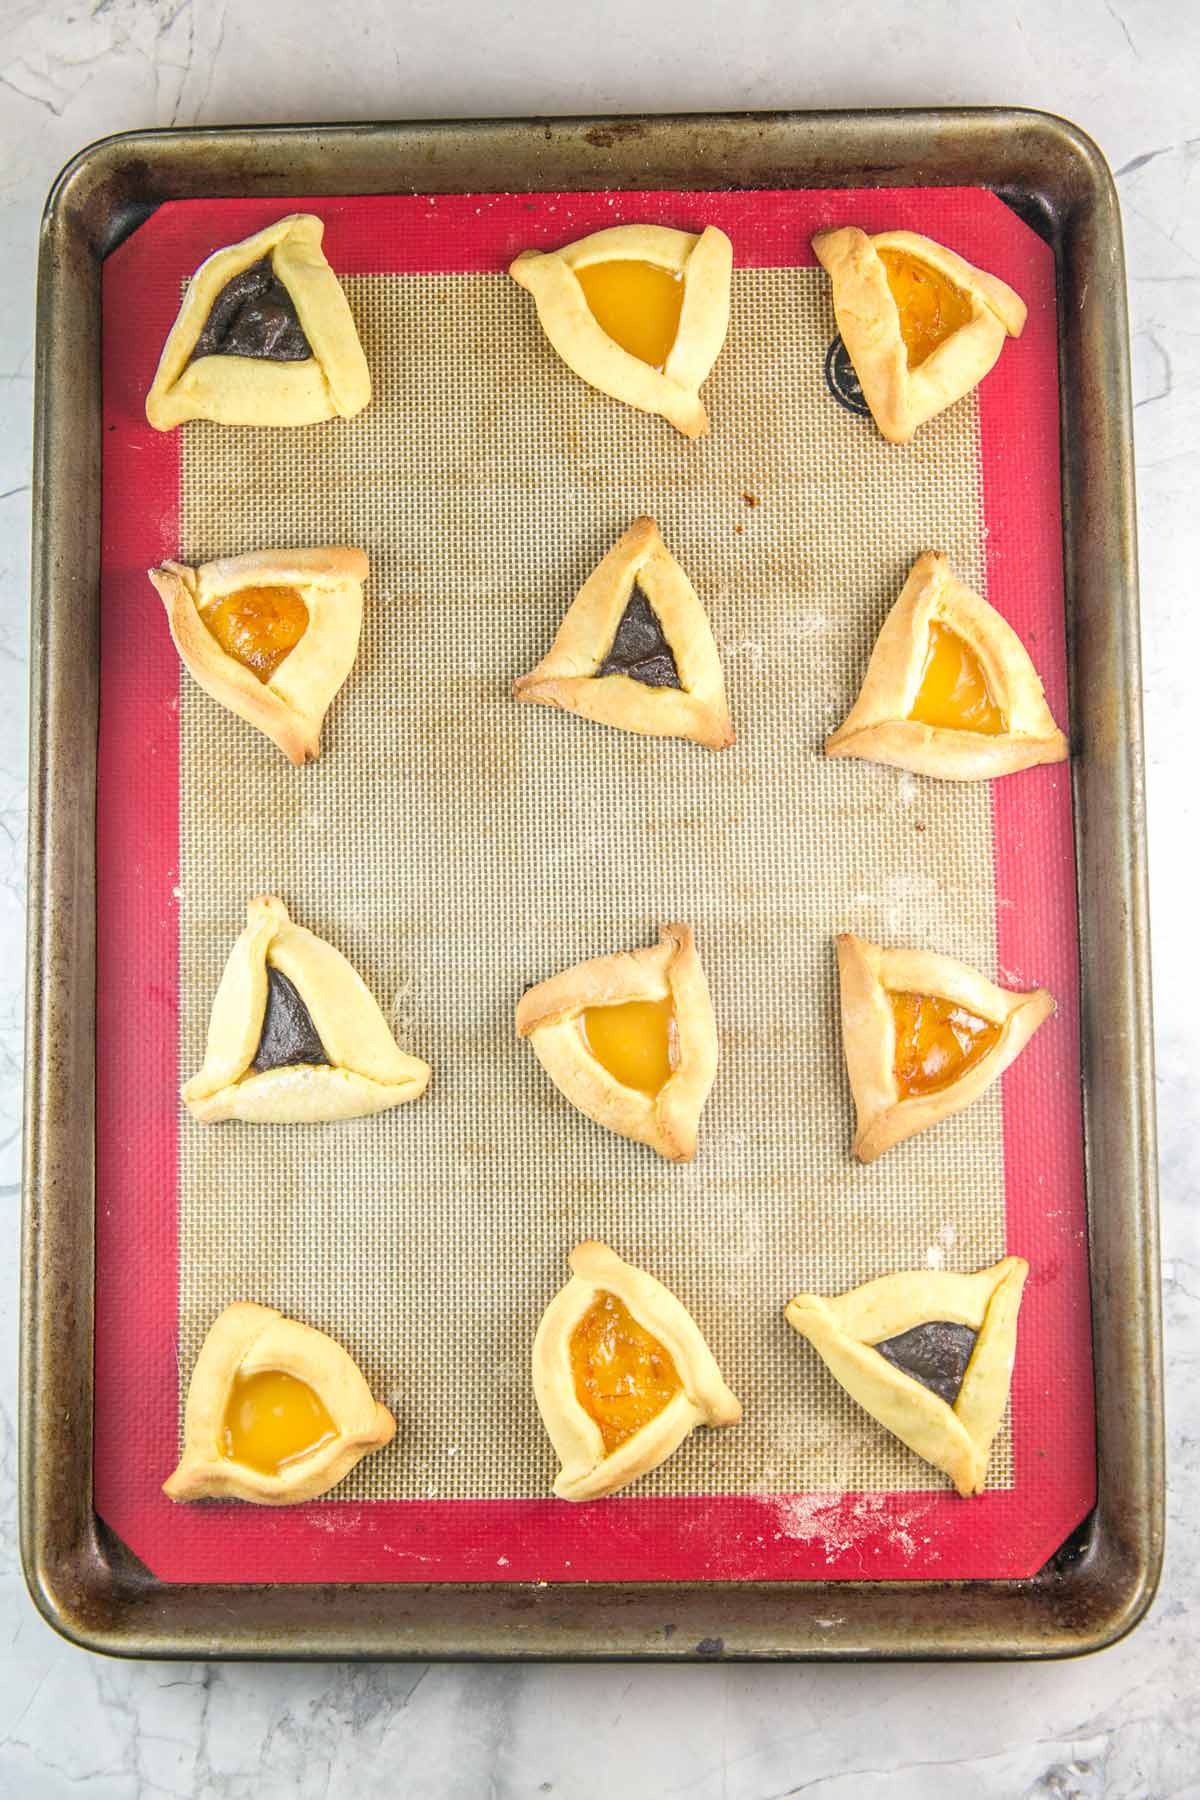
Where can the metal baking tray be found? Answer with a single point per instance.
(1100, 1583)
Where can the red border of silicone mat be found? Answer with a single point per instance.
(881, 1536)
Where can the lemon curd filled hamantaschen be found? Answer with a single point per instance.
(630, 1040)
(638, 311)
(276, 1412)
(950, 689)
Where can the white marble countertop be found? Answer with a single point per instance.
(1123, 1724)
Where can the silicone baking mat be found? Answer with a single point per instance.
(457, 847)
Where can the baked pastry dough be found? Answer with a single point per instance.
(640, 311)
(264, 337)
(630, 1040)
(272, 635)
(923, 1035)
(920, 324)
(950, 689)
(928, 1354)
(635, 649)
(295, 1035)
(276, 1412)
(621, 1375)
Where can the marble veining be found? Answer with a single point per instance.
(1123, 1725)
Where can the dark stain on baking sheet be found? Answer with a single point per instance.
(617, 131)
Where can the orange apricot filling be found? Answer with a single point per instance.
(930, 306)
(272, 1420)
(635, 1041)
(936, 1042)
(623, 1375)
(258, 626)
(637, 304)
(954, 692)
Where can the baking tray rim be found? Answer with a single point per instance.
(89, 1586)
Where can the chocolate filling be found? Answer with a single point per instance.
(288, 1034)
(254, 315)
(639, 649)
(935, 1354)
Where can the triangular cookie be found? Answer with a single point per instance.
(920, 324)
(635, 649)
(950, 689)
(923, 1036)
(264, 337)
(271, 635)
(928, 1354)
(640, 311)
(276, 1413)
(295, 1034)
(621, 1375)
(630, 1040)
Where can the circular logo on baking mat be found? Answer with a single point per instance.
(841, 380)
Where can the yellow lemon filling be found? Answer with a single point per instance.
(635, 1041)
(954, 691)
(623, 1375)
(936, 1041)
(637, 304)
(273, 1419)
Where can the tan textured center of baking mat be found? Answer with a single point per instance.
(456, 847)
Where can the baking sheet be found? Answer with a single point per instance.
(456, 847)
